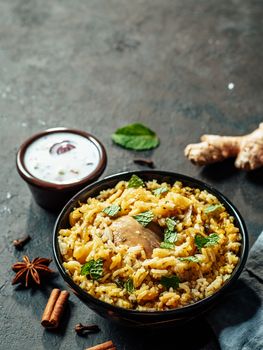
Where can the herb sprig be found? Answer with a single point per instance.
(211, 240)
(93, 268)
(170, 281)
(170, 235)
(112, 210)
(135, 182)
(158, 191)
(214, 209)
(144, 218)
(136, 136)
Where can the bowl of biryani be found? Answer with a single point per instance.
(150, 247)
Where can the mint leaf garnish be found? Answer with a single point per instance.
(158, 191)
(170, 223)
(112, 210)
(214, 209)
(135, 182)
(201, 241)
(170, 281)
(128, 285)
(212, 240)
(167, 245)
(144, 218)
(93, 268)
(170, 235)
(136, 136)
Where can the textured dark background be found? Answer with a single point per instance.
(97, 65)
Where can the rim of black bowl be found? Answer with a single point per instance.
(28, 177)
(239, 222)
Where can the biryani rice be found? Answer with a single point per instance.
(91, 237)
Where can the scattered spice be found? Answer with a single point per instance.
(20, 242)
(146, 162)
(108, 345)
(82, 329)
(30, 271)
(54, 308)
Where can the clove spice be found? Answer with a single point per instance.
(54, 308)
(82, 329)
(147, 162)
(20, 242)
(108, 345)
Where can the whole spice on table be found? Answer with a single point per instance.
(28, 272)
(108, 345)
(20, 242)
(54, 308)
(85, 329)
(147, 162)
(247, 149)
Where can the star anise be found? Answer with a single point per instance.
(30, 271)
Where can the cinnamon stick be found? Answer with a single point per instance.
(54, 308)
(108, 345)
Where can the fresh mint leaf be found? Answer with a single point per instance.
(128, 285)
(158, 191)
(201, 241)
(136, 136)
(93, 268)
(170, 281)
(214, 209)
(135, 182)
(112, 210)
(144, 218)
(167, 245)
(170, 236)
(212, 240)
(170, 223)
(190, 258)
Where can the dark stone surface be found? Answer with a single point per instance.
(97, 65)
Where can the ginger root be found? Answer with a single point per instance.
(247, 149)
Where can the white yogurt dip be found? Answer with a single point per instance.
(61, 157)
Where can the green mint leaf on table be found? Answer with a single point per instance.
(158, 191)
(167, 245)
(170, 223)
(128, 285)
(214, 209)
(144, 218)
(112, 210)
(170, 281)
(201, 241)
(136, 136)
(93, 268)
(135, 182)
(190, 258)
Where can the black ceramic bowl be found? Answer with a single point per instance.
(150, 318)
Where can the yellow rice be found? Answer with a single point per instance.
(90, 237)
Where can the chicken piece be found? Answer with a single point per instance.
(126, 230)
